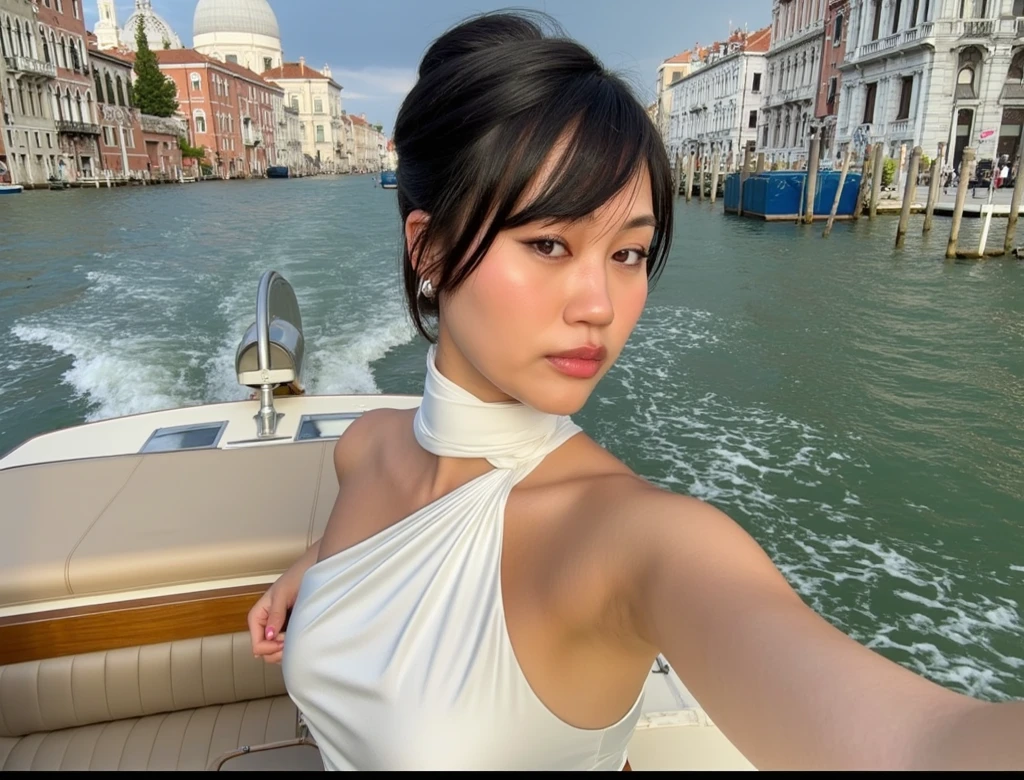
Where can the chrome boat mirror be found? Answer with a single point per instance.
(271, 351)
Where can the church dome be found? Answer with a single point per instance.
(158, 32)
(254, 17)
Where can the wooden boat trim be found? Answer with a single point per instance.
(86, 629)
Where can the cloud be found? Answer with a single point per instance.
(375, 83)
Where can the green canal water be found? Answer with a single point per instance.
(859, 410)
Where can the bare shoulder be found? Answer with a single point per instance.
(366, 435)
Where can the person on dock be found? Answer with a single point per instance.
(493, 586)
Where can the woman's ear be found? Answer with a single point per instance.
(415, 224)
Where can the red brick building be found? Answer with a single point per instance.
(833, 52)
(228, 110)
(61, 24)
(132, 145)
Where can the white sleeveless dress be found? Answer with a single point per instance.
(397, 653)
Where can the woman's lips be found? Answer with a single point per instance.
(579, 363)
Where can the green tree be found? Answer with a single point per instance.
(154, 92)
(191, 152)
(888, 171)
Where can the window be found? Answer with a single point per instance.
(870, 91)
(896, 16)
(199, 117)
(74, 5)
(267, 63)
(318, 106)
(294, 100)
(110, 88)
(185, 437)
(906, 92)
(757, 83)
(38, 144)
(966, 77)
(120, 91)
(196, 82)
(832, 82)
(319, 134)
(837, 29)
(752, 119)
(232, 58)
(49, 141)
(876, 24)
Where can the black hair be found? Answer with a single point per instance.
(494, 96)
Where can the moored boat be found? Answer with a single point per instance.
(277, 172)
(11, 189)
(389, 180)
(134, 548)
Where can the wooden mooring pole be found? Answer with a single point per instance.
(961, 197)
(934, 182)
(847, 158)
(715, 161)
(865, 172)
(877, 167)
(1011, 218)
(909, 190)
(813, 158)
(689, 176)
(748, 153)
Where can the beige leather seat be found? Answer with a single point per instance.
(172, 706)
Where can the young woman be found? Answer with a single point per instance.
(492, 586)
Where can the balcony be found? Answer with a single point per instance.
(252, 137)
(31, 67)
(77, 128)
(901, 127)
(914, 36)
(972, 28)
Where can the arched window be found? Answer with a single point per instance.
(1016, 73)
(196, 82)
(120, 91)
(76, 63)
(20, 43)
(199, 117)
(63, 52)
(99, 84)
(89, 116)
(78, 104)
(110, 88)
(967, 73)
(68, 116)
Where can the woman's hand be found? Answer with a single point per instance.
(267, 617)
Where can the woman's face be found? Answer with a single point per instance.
(550, 307)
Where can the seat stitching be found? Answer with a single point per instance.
(181, 743)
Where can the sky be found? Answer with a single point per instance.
(374, 48)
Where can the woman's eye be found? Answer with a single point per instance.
(549, 247)
(630, 256)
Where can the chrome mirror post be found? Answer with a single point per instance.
(271, 351)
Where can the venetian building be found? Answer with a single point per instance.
(244, 32)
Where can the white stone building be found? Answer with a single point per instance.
(316, 96)
(715, 107)
(244, 32)
(793, 67)
(931, 71)
(27, 83)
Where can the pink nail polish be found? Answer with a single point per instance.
(270, 633)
